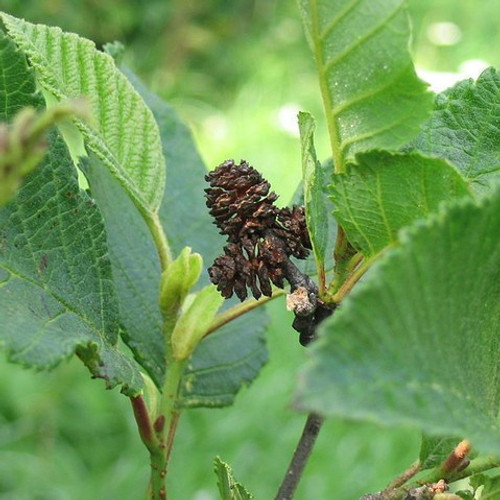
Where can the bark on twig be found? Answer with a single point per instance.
(300, 457)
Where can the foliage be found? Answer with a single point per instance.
(118, 254)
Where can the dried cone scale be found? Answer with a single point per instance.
(261, 237)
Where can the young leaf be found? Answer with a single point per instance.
(416, 343)
(384, 192)
(125, 135)
(314, 198)
(465, 129)
(372, 96)
(195, 321)
(56, 293)
(229, 489)
(224, 361)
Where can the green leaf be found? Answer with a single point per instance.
(137, 271)
(416, 343)
(124, 135)
(435, 450)
(384, 192)
(372, 96)
(194, 322)
(465, 129)
(180, 276)
(56, 293)
(225, 361)
(308, 266)
(314, 198)
(17, 80)
(229, 489)
(491, 487)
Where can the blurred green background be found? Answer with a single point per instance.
(237, 71)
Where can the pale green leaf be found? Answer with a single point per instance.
(417, 342)
(314, 198)
(384, 192)
(195, 321)
(465, 129)
(124, 134)
(372, 96)
(57, 296)
(229, 489)
(225, 360)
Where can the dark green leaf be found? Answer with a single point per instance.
(229, 489)
(124, 134)
(416, 343)
(57, 294)
(314, 197)
(372, 96)
(465, 129)
(384, 192)
(136, 269)
(226, 360)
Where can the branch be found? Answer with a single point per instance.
(421, 493)
(300, 457)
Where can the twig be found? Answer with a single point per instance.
(421, 493)
(149, 437)
(405, 476)
(300, 457)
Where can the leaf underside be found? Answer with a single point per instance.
(417, 343)
(372, 96)
(124, 134)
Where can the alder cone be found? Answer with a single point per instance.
(261, 237)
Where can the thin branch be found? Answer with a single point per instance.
(403, 478)
(238, 310)
(300, 457)
(420, 493)
(476, 465)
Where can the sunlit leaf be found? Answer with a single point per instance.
(124, 134)
(372, 96)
